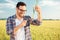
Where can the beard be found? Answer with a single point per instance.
(21, 15)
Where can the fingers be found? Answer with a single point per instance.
(37, 8)
(25, 20)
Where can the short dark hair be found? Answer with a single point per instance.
(20, 4)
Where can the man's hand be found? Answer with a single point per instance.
(37, 8)
(23, 23)
(19, 26)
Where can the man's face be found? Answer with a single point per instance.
(21, 10)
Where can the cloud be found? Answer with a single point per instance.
(49, 3)
(1, 11)
(53, 4)
(9, 4)
(10, 1)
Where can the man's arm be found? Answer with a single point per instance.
(19, 26)
(39, 19)
(38, 10)
(9, 26)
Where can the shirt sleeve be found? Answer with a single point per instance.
(34, 21)
(9, 26)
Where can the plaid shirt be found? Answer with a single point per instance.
(10, 25)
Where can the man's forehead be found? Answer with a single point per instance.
(22, 7)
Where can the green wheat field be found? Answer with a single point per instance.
(48, 30)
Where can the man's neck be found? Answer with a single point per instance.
(18, 17)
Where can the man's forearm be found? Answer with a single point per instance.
(38, 10)
(20, 26)
(39, 17)
(17, 28)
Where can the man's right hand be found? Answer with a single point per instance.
(19, 26)
(23, 23)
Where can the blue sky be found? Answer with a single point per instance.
(50, 9)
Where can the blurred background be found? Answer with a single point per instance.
(50, 10)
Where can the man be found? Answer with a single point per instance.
(18, 25)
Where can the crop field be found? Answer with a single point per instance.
(48, 30)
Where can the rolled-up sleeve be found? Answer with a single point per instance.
(9, 26)
(34, 21)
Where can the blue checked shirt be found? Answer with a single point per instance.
(10, 25)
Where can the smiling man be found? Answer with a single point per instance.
(18, 25)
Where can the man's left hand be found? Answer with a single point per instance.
(37, 8)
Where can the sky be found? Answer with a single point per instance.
(50, 9)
